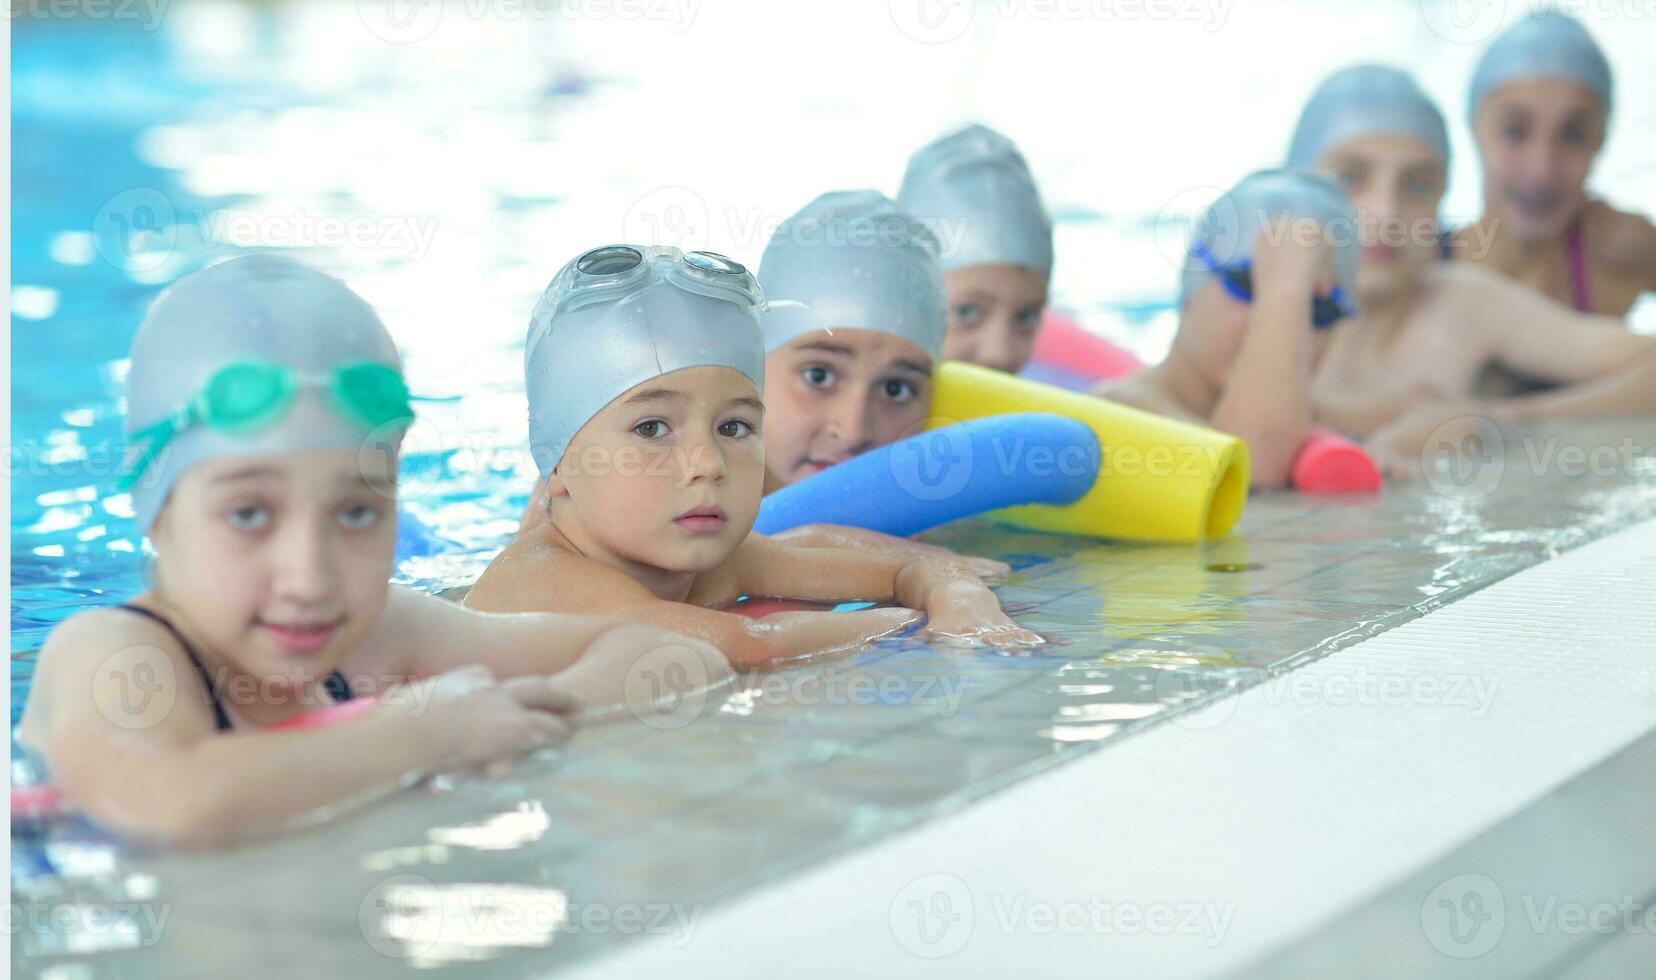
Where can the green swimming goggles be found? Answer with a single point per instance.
(246, 396)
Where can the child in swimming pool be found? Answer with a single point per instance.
(644, 368)
(268, 403)
(853, 371)
(870, 273)
(1426, 331)
(1267, 272)
(1540, 110)
(973, 189)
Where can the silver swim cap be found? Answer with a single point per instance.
(1365, 100)
(1546, 44)
(1229, 228)
(975, 181)
(265, 310)
(617, 316)
(857, 263)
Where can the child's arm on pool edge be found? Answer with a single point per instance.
(522, 577)
(957, 604)
(159, 770)
(841, 536)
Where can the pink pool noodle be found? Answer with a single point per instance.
(1063, 343)
(1330, 463)
(333, 714)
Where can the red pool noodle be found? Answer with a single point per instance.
(333, 714)
(1063, 343)
(760, 608)
(35, 802)
(1330, 463)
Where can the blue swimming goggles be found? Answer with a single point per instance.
(1238, 282)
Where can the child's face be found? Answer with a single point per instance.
(1537, 139)
(1396, 183)
(994, 314)
(833, 396)
(667, 476)
(281, 563)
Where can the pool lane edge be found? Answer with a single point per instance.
(1287, 806)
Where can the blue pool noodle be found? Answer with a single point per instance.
(945, 474)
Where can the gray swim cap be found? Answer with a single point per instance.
(1546, 44)
(858, 263)
(253, 308)
(617, 316)
(975, 182)
(1230, 226)
(1365, 100)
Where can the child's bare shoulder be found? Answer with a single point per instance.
(536, 573)
(1622, 240)
(90, 651)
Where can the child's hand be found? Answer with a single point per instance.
(496, 722)
(987, 569)
(1293, 255)
(974, 616)
(641, 667)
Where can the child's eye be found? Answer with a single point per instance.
(651, 428)
(359, 516)
(968, 313)
(1575, 136)
(1030, 318)
(735, 429)
(252, 517)
(899, 391)
(1514, 133)
(1349, 179)
(817, 375)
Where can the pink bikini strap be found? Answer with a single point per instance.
(1578, 269)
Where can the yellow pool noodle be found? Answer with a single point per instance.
(1159, 479)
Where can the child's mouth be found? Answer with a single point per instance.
(702, 520)
(300, 639)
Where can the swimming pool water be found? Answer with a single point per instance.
(446, 177)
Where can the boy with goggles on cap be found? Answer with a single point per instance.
(644, 369)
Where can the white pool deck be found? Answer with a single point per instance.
(1269, 833)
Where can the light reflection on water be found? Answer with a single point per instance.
(467, 166)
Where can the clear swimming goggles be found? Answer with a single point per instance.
(246, 396)
(1237, 279)
(608, 271)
